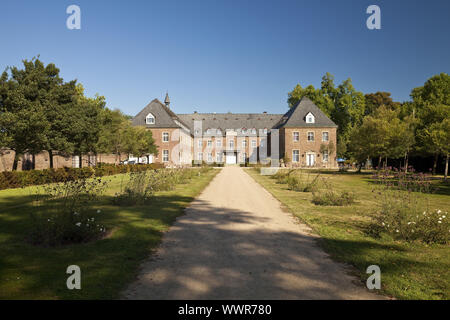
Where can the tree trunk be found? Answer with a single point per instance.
(385, 162)
(379, 162)
(81, 161)
(33, 162)
(406, 162)
(50, 157)
(436, 156)
(16, 162)
(446, 167)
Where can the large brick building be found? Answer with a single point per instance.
(304, 136)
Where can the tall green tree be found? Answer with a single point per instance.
(86, 127)
(384, 135)
(23, 123)
(378, 99)
(431, 103)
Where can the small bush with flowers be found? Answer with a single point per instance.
(67, 214)
(401, 215)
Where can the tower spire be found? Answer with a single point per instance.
(167, 100)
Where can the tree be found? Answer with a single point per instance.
(23, 124)
(382, 134)
(378, 99)
(432, 103)
(438, 138)
(112, 135)
(85, 130)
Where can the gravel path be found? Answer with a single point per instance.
(235, 242)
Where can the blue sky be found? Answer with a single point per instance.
(233, 55)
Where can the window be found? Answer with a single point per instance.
(310, 136)
(295, 156)
(296, 136)
(265, 131)
(165, 137)
(150, 119)
(75, 162)
(210, 157)
(209, 143)
(165, 155)
(200, 145)
(324, 136)
(231, 144)
(310, 118)
(244, 157)
(253, 131)
(325, 156)
(200, 156)
(253, 143)
(244, 144)
(219, 143)
(219, 157)
(92, 161)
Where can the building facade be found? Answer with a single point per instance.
(302, 137)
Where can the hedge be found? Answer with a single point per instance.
(20, 179)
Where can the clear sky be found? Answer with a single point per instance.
(228, 55)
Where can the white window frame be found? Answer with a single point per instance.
(219, 143)
(254, 143)
(218, 157)
(200, 156)
(327, 134)
(294, 155)
(152, 117)
(295, 136)
(325, 156)
(210, 157)
(244, 143)
(231, 144)
(244, 157)
(200, 143)
(209, 143)
(165, 157)
(165, 136)
(307, 136)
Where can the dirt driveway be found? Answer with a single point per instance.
(235, 242)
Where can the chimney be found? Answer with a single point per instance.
(265, 112)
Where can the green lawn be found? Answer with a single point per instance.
(107, 265)
(408, 270)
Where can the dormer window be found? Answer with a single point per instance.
(150, 119)
(310, 118)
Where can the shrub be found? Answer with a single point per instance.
(328, 197)
(67, 215)
(401, 215)
(142, 185)
(407, 181)
(138, 190)
(19, 179)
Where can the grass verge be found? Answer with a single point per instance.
(107, 265)
(408, 270)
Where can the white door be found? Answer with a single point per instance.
(310, 159)
(231, 158)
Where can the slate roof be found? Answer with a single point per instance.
(225, 121)
(164, 117)
(295, 117)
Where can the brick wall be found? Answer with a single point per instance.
(304, 146)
